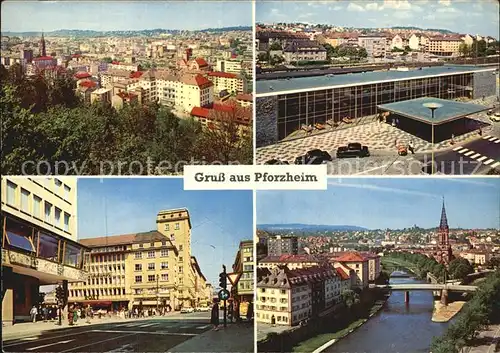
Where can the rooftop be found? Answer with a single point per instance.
(449, 110)
(314, 83)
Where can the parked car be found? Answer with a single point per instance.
(187, 310)
(202, 308)
(354, 149)
(275, 161)
(315, 156)
(495, 117)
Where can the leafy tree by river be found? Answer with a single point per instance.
(417, 263)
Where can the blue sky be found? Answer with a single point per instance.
(393, 203)
(121, 15)
(463, 16)
(219, 218)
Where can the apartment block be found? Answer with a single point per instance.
(244, 264)
(282, 245)
(224, 81)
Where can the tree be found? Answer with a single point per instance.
(107, 60)
(275, 46)
(494, 262)
(263, 57)
(459, 268)
(383, 278)
(350, 298)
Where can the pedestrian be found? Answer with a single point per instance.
(250, 311)
(33, 313)
(214, 317)
(396, 142)
(480, 131)
(45, 313)
(70, 315)
(88, 311)
(410, 147)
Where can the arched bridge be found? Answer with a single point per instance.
(426, 286)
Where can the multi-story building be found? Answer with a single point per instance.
(200, 283)
(375, 45)
(290, 261)
(282, 245)
(115, 65)
(304, 51)
(101, 95)
(244, 264)
(225, 81)
(44, 62)
(373, 266)
(444, 45)
(38, 241)
(476, 257)
(245, 100)
(287, 297)
(230, 66)
(195, 91)
(358, 263)
(127, 271)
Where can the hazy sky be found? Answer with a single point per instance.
(219, 219)
(463, 16)
(387, 203)
(24, 16)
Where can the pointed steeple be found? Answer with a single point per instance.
(444, 221)
(42, 46)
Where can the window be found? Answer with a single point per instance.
(167, 227)
(181, 259)
(177, 227)
(37, 206)
(11, 193)
(25, 200)
(73, 256)
(164, 276)
(66, 222)
(138, 279)
(180, 269)
(151, 267)
(180, 247)
(138, 255)
(151, 254)
(138, 267)
(48, 208)
(164, 243)
(172, 237)
(58, 183)
(57, 216)
(67, 190)
(152, 244)
(151, 278)
(141, 245)
(48, 247)
(164, 265)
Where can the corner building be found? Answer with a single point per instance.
(38, 241)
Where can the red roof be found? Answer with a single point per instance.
(75, 55)
(244, 97)
(136, 74)
(44, 58)
(88, 83)
(202, 81)
(126, 95)
(342, 273)
(352, 257)
(80, 75)
(222, 74)
(201, 62)
(200, 112)
(115, 62)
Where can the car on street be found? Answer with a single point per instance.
(187, 310)
(353, 149)
(275, 161)
(495, 117)
(315, 156)
(202, 308)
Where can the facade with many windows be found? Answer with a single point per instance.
(286, 106)
(244, 264)
(38, 241)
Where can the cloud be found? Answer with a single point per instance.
(444, 2)
(355, 7)
(373, 6)
(335, 8)
(397, 4)
(382, 189)
(306, 15)
(447, 10)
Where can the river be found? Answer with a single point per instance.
(397, 328)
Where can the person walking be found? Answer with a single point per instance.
(70, 315)
(88, 311)
(214, 317)
(250, 311)
(33, 313)
(45, 313)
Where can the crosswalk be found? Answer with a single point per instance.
(478, 156)
(164, 324)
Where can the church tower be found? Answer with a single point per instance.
(41, 47)
(444, 248)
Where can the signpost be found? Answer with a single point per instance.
(223, 293)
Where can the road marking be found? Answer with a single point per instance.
(202, 327)
(185, 327)
(48, 338)
(497, 141)
(50, 344)
(486, 137)
(147, 332)
(93, 343)
(134, 324)
(489, 161)
(457, 148)
(475, 156)
(370, 170)
(463, 151)
(29, 339)
(469, 153)
(495, 165)
(482, 159)
(147, 325)
(492, 139)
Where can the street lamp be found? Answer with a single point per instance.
(432, 106)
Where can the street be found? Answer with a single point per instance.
(141, 335)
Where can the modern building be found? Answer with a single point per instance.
(225, 81)
(374, 267)
(358, 263)
(244, 264)
(39, 244)
(304, 51)
(291, 261)
(284, 106)
(375, 45)
(282, 245)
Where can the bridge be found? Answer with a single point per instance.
(443, 288)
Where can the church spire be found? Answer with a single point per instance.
(443, 225)
(42, 46)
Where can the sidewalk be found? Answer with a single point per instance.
(233, 338)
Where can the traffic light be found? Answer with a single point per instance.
(223, 280)
(59, 295)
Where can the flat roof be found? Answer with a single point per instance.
(304, 84)
(450, 110)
